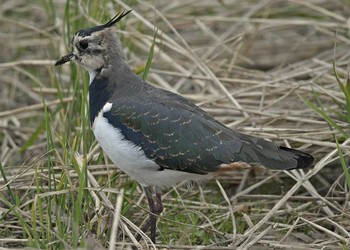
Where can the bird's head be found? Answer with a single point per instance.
(94, 48)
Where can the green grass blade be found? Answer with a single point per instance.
(343, 164)
(324, 116)
(8, 187)
(346, 91)
(33, 138)
(150, 57)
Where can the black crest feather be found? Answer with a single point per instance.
(116, 18)
(110, 23)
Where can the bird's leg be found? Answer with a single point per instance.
(159, 201)
(158, 210)
(155, 207)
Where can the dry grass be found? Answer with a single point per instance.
(248, 63)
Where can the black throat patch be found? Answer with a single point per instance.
(100, 91)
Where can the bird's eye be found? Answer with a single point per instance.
(83, 44)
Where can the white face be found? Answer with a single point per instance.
(89, 46)
(88, 51)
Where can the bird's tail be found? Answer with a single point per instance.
(272, 156)
(303, 160)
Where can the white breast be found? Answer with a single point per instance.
(131, 159)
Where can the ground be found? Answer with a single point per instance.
(273, 69)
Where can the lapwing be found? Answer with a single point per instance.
(155, 136)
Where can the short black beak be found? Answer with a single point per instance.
(64, 59)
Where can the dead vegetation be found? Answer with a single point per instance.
(257, 66)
